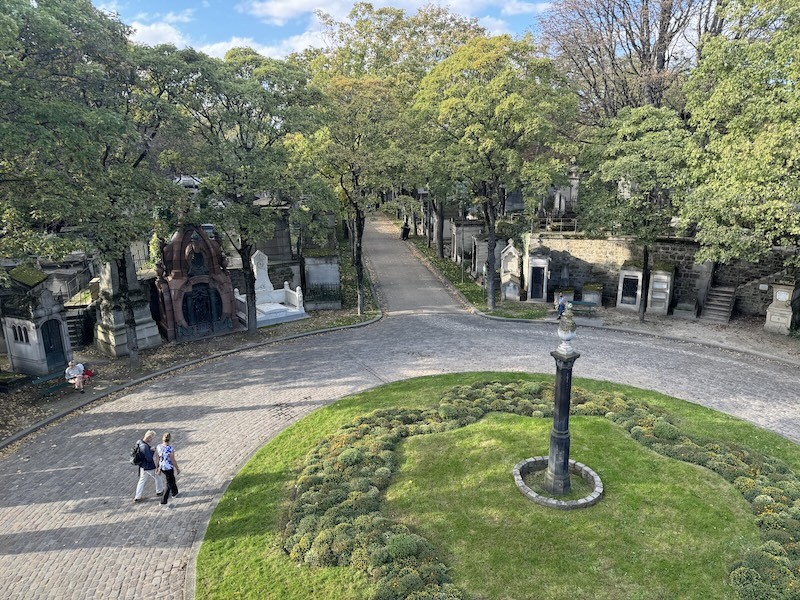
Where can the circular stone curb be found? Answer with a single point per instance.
(539, 463)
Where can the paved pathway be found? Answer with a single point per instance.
(68, 527)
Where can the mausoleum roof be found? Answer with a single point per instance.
(27, 275)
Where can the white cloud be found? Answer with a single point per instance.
(494, 26)
(516, 7)
(279, 12)
(285, 47)
(110, 7)
(153, 34)
(185, 16)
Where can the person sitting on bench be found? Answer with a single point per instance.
(74, 374)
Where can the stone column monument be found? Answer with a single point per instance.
(556, 479)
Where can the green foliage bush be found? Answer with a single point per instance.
(665, 430)
(334, 517)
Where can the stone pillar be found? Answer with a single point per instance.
(110, 333)
(556, 480)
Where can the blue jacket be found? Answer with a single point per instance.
(149, 463)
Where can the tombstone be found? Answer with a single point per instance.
(110, 332)
(195, 290)
(629, 293)
(322, 290)
(784, 312)
(659, 295)
(264, 287)
(509, 273)
(567, 292)
(480, 254)
(461, 233)
(279, 246)
(36, 336)
(592, 292)
(272, 306)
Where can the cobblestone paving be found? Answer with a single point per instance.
(69, 528)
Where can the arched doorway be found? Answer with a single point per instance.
(53, 344)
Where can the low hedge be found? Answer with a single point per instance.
(334, 517)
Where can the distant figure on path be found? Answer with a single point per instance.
(561, 305)
(168, 465)
(148, 467)
(404, 230)
(74, 374)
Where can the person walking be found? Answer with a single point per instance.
(147, 469)
(74, 374)
(168, 466)
(561, 306)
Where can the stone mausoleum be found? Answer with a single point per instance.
(195, 290)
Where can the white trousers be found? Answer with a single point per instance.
(143, 475)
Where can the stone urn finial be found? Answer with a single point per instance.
(567, 332)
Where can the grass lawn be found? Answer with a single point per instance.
(665, 529)
(661, 524)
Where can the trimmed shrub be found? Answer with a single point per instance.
(665, 430)
(334, 517)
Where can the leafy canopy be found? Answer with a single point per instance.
(745, 109)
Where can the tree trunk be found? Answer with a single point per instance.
(358, 264)
(299, 244)
(246, 253)
(440, 229)
(490, 212)
(351, 238)
(645, 280)
(127, 309)
(428, 222)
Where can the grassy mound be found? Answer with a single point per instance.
(333, 508)
(661, 524)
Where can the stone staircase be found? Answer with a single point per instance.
(79, 325)
(719, 304)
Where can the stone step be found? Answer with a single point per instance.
(719, 304)
(715, 315)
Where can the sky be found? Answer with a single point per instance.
(278, 27)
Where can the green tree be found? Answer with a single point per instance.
(356, 152)
(81, 111)
(402, 48)
(638, 172)
(63, 68)
(316, 210)
(241, 110)
(745, 109)
(500, 112)
(388, 42)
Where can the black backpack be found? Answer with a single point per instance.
(137, 456)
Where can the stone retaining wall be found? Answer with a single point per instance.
(600, 260)
(590, 260)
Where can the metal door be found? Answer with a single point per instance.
(536, 286)
(53, 345)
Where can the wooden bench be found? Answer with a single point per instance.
(579, 306)
(52, 382)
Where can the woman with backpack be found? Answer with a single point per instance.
(168, 465)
